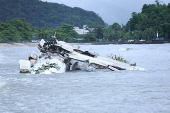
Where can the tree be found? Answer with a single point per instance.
(96, 30)
(90, 37)
(16, 29)
(157, 2)
(154, 17)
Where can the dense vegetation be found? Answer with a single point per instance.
(15, 30)
(64, 33)
(153, 18)
(143, 25)
(45, 14)
(18, 30)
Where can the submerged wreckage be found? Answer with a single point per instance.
(59, 57)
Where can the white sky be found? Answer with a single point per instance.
(109, 10)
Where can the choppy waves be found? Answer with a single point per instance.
(1, 57)
(2, 82)
(124, 49)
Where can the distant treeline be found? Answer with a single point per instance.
(45, 14)
(18, 30)
(145, 25)
(153, 18)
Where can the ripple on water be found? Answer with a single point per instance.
(2, 82)
(1, 58)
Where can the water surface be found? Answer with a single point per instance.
(100, 91)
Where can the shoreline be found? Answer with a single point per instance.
(31, 44)
(18, 44)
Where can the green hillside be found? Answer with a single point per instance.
(153, 18)
(45, 14)
(143, 25)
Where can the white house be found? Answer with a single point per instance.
(81, 31)
(131, 40)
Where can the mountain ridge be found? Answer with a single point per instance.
(47, 14)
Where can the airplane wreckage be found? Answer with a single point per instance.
(59, 57)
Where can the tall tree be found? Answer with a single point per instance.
(16, 29)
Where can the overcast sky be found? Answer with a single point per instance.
(109, 10)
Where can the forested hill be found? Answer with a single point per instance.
(154, 17)
(45, 14)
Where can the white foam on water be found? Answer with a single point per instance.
(124, 49)
(2, 82)
(1, 57)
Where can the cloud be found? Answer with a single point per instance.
(109, 10)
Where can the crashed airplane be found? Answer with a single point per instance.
(59, 57)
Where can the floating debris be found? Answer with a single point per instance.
(118, 58)
(124, 49)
